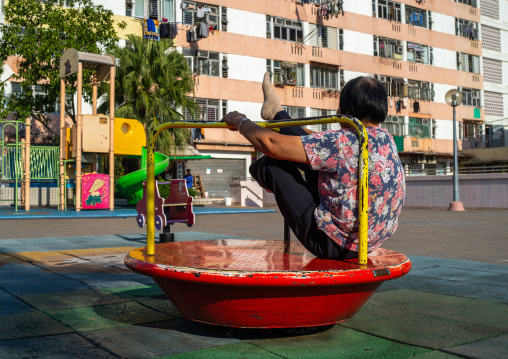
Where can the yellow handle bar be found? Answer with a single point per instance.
(363, 168)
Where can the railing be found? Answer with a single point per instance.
(449, 171)
(44, 162)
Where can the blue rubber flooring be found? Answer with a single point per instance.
(128, 212)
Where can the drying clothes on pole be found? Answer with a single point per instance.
(173, 31)
(202, 30)
(200, 12)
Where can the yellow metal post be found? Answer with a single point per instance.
(363, 173)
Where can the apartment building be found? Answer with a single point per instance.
(419, 49)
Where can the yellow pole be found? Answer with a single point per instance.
(111, 137)
(363, 173)
(79, 133)
(63, 134)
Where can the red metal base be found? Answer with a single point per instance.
(255, 284)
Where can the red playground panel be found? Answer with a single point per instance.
(256, 284)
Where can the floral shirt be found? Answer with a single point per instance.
(335, 155)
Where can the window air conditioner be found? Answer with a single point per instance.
(382, 78)
(399, 42)
(425, 121)
(129, 5)
(398, 49)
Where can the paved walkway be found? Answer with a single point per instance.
(65, 293)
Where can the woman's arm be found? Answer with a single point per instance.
(273, 144)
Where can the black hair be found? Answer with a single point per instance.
(364, 98)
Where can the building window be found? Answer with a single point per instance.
(151, 9)
(471, 130)
(128, 7)
(202, 62)
(468, 63)
(315, 112)
(416, 17)
(417, 53)
(209, 110)
(285, 29)
(418, 90)
(394, 125)
(286, 73)
(419, 127)
(388, 10)
(324, 77)
(466, 28)
(38, 94)
(473, 3)
(207, 13)
(471, 97)
(394, 85)
(295, 112)
(324, 36)
(386, 47)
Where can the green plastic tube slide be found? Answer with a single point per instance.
(131, 185)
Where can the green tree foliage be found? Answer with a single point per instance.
(153, 82)
(39, 31)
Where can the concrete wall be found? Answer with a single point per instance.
(481, 191)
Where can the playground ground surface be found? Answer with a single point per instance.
(65, 293)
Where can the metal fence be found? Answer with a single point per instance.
(462, 170)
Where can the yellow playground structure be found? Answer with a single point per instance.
(95, 134)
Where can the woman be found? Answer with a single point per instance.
(321, 207)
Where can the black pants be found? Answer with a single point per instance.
(297, 197)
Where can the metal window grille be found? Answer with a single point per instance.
(287, 30)
(324, 77)
(416, 16)
(473, 3)
(466, 28)
(314, 112)
(419, 127)
(394, 125)
(493, 103)
(491, 38)
(471, 97)
(388, 10)
(492, 71)
(209, 110)
(490, 8)
(189, 16)
(295, 112)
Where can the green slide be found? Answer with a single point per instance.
(131, 186)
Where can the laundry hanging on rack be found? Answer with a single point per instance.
(416, 106)
(151, 29)
(192, 34)
(200, 12)
(202, 30)
(168, 30)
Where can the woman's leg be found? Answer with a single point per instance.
(297, 197)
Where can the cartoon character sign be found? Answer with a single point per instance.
(95, 191)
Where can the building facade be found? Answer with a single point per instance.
(418, 49)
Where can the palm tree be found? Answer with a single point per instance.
(153, 82)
